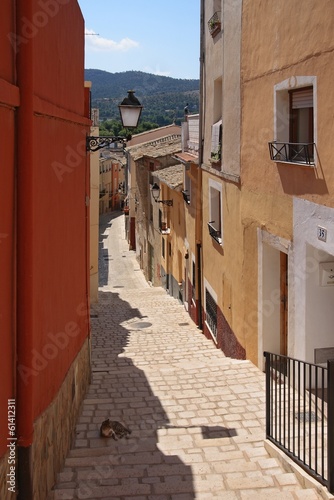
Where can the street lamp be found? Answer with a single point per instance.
(130, 111)
(155, 190)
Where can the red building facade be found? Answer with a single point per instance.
(44, 224)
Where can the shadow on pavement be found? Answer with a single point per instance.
(134, 466)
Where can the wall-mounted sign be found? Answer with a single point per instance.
(322, 233)
(326, 273)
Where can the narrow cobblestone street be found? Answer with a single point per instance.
(197, 417)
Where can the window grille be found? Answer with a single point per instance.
(211, 313)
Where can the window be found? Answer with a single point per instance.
(295, 132)
(160, 219)
(211, 313)
(216, 141)
(215, 223)
(301, 118)
(217, 127)
(163, 251)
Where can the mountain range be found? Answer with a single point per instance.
(163, 98)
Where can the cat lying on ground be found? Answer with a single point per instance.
(114, 429)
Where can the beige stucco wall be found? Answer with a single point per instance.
(223, 264)
(178, 236)
(298, 46)
(222, 83)
(301, 44)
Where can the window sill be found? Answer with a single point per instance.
(296, 163)
(214, 161)
(215, 234)
(218, 240)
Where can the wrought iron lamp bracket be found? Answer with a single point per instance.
(169, 203)
(94, 143)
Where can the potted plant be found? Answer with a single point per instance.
(214, 25)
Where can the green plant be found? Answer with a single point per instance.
(216, 155)
(213, 24)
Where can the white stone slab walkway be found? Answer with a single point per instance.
(197, 417)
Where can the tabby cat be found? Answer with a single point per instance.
(114, 429)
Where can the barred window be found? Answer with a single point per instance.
(211, 313)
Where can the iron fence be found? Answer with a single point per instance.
(292, 152)
(300, 413)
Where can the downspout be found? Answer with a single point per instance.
(199, 225)
(25, 244)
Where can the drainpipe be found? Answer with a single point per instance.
(25, 232)
(199, 225)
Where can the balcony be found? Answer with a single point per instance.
(214, 24)
(292, 152)
(214, 233)
(186, 197)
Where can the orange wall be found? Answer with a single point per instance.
(44, 318)
(9, 98)
(59, 257)
(7, 288)
(60, 68)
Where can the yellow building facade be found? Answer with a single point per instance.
(222, 294)
(287, 192)
(267, 178)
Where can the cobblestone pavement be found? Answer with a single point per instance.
(197, 417)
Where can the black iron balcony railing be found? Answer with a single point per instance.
(214, 23)
(103, 192)
(186, 197)
(214, 233)
(300, 413)
(292, 152)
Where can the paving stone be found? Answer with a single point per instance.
(197, 417)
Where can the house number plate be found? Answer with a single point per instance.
(322, 233)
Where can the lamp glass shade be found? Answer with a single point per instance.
(130, 115)
(155, 191)
(130, 110)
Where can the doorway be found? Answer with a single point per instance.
(150, 267)
(273, 301)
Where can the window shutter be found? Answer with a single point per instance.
(302, 99)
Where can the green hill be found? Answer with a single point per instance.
(163, 98)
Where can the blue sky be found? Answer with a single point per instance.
(154, 36)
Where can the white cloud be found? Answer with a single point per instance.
(100, 44)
